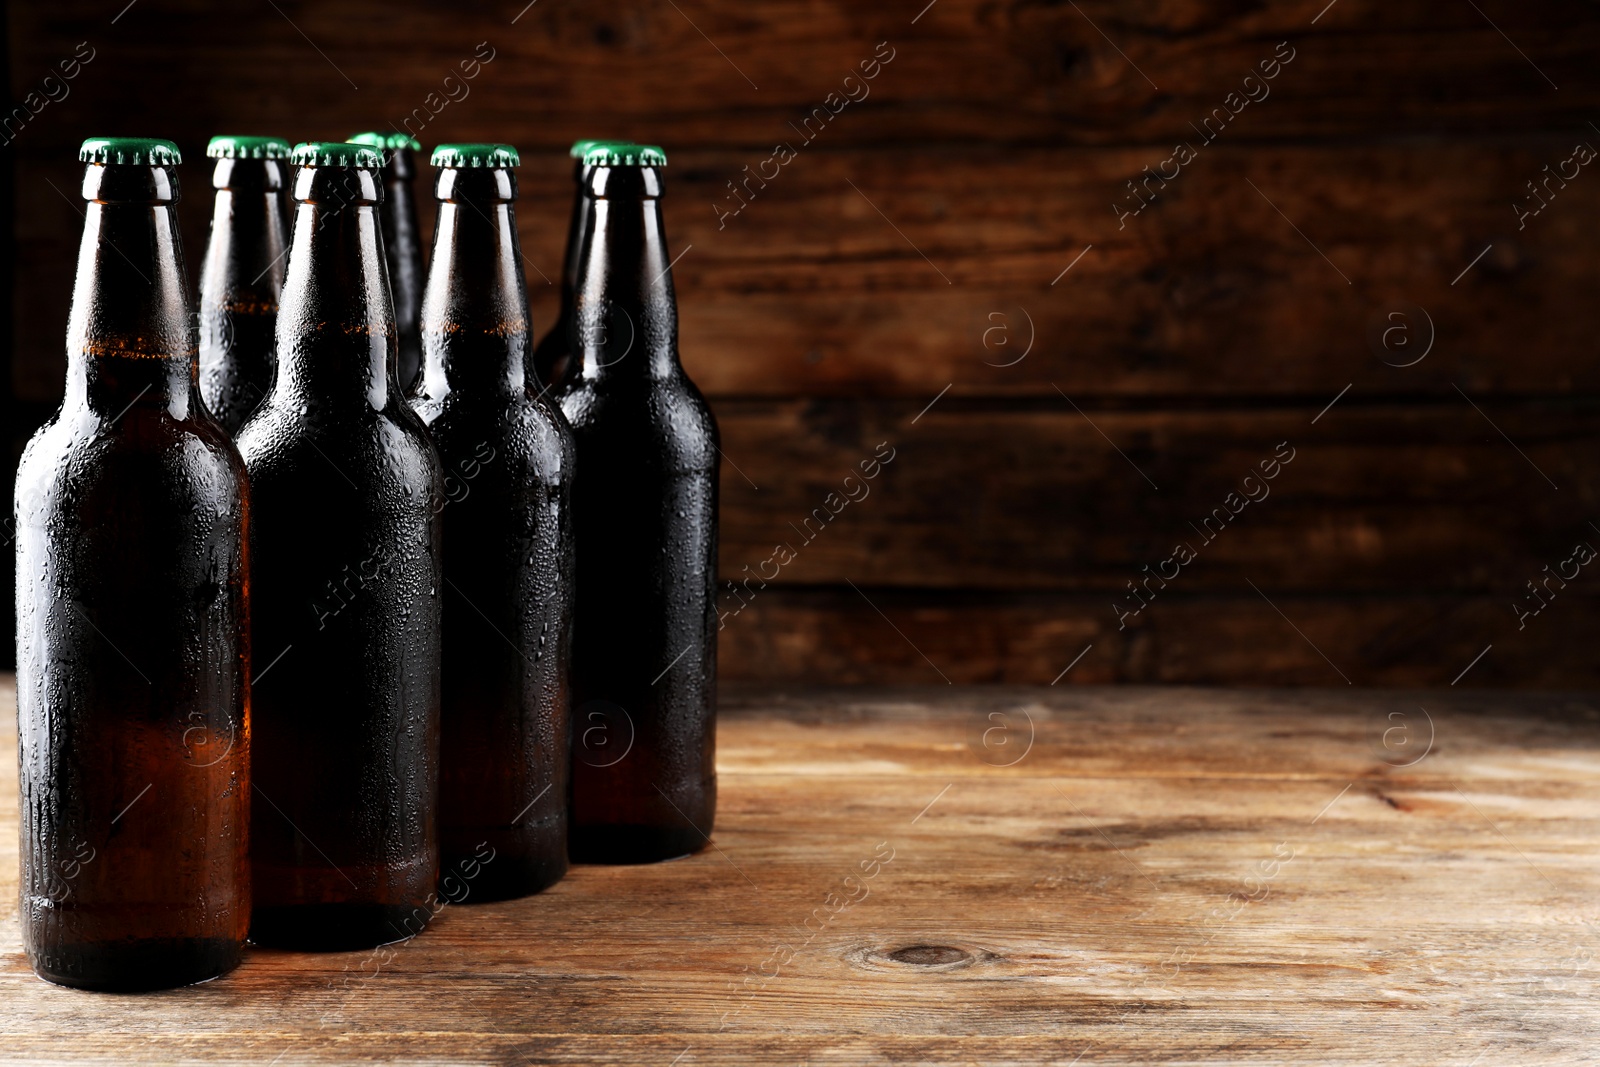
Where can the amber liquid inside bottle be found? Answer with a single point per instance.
(645, 512)
(240, 283)
(345, 544)
(508, 555)
(133, 653)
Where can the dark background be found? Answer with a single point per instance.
(916, 247)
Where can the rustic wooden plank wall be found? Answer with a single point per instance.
(965, 231)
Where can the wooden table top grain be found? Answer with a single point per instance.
(992, 876)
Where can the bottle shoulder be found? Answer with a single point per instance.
(279, 441)
(145, 456)
(672, 404)
(527, 432)
(665, 429)
(153, 431)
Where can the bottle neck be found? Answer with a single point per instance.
(246, 255)
(475, 307)
(131, 341)
(336, 331)
(625, 314)
(400, 165)
(400, 227)
(577, 226)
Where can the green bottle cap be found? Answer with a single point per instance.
(134, 151)
(476, 155)
(386, 142)
(580, 149)
(335, 154)
(623, 154)
(231, 147)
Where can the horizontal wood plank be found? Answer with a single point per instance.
(1174, 874)
(1011, 275)
(1045, 496)
(716, 73)
(867, 635)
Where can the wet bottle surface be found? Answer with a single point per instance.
(133, 652)
(508, 548)
(402, 241)
(242, 276)
(645, 512)
(346, 555)
(554, 352)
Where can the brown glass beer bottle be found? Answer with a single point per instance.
(508, 456)
(553, 354)
(242, 275)
(132, 648)
(402, 240)
(345, 546)
(645, 513)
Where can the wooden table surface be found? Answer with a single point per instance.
(899, 876)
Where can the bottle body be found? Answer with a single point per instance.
(240, 283)
(645, 511)
(133, 646)
(346, 554)
(508, 560)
